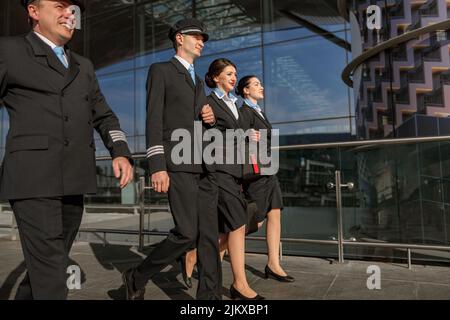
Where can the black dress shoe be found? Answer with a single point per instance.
(270, 273)
(131, 292)
(237, 295)
(187, 280)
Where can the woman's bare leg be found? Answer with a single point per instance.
(273, 234)
(191, 260)
(191, 256)
(223, 244)
(236, 250)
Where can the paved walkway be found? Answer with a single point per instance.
(319, 279)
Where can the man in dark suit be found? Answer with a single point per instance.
(54, 103)
(175, 100)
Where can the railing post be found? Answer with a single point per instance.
(141, 211)
(339, 217)
(14, 229)
(409, 259)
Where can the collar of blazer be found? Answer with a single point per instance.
(183, 70)
(264, 120)
(41, 49)
(224, 106)
(198, 88)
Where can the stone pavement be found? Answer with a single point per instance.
(316, 278)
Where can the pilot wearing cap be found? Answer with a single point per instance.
(176, 100)
(54, 104)
(188, 27)
(80, 4)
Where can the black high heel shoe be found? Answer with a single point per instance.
(187, 280)
(237, 295)
(270, 273)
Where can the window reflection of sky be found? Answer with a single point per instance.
(119, 92)
(235, 43)
(315, 131)
(315, 127)
(248, 61)
(303, 80)
(116, 67)
(292, 33)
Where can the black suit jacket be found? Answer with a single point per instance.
(53, 111)
(226, 120)
(173, 102)
(255, 121)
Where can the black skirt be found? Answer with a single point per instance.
(266, 192)
(231, 203)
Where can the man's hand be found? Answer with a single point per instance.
(160, 181)
(208, 114)
(123, 170)
(255, 136)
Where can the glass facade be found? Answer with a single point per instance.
(299, 49)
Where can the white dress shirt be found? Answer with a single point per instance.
(51, 44)
(229, 100)
(254, 106)
(183, 62)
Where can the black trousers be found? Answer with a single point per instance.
(47, 229)
(193, 203)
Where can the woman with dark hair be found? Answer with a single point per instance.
(232, 206)
(265, 191)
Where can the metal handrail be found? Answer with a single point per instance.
(333, 144)
(366, 143)
(397, 245)
(125, 231)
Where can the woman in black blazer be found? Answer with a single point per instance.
(232, 209)
(266, 190)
